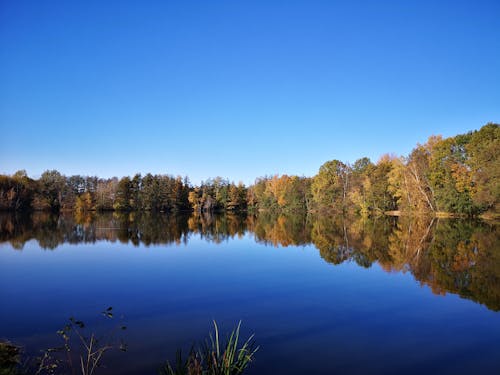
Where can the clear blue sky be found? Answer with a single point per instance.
(235, 88)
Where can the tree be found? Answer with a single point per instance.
(409, 183)
(180, 194)
(16, 192)
(123, 195)
(330, 186)
(237, 197)
(417, 170)
(150, 193)
(135, 186)
(449, 176)
(379, 196)
(105, 194)
(361, 185)
(84, 202)
(255, 194)
(484, 153)
(194, 198)
(51, 190)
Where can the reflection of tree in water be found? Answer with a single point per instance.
(329, 237)
(147, 228)
(18, 228)
(281, 229)
(464, 258)
(456, 256)
(136, 228)
(407, 243)
(15, 229)
(485, 285)
(217, 228)
(341, 239)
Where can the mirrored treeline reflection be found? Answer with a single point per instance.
(450, 256)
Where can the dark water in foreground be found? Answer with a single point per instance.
(323, 295)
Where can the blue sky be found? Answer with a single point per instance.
(238, 89)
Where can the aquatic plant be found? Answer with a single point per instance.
(81, 353)
(215, 357)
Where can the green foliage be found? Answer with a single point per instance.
(484, 154)
(123, 195)
(51, 190)
(329, 187)
(450, 177)
(216, 357)
(218, 194)
(362, 166)
(379, 197)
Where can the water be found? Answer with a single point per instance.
(323, 295)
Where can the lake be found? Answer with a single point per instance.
(322, 294)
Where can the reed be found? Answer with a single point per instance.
(215, 357)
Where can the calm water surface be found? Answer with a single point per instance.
(323, 295)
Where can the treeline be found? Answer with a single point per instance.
(457, 175)
(163, 193)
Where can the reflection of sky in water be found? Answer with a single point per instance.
(309, 316)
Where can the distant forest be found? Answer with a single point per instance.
(457, 175)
